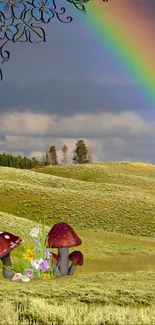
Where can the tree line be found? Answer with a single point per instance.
(9, 160)
(81, 155)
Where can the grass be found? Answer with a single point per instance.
(111, 207)
(102, 298)
(118, 202)
(48, 313)
(116, 173)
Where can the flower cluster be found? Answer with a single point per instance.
(37, 262)
(19, 21)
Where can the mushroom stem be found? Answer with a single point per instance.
(6, 260)
(72, 269)
(63, 260)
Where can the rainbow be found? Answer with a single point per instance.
(118, 25)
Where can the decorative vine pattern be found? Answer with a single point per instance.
(20, 21)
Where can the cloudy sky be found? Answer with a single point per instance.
(72, 87)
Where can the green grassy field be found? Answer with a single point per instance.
(112, 208)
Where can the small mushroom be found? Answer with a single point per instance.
(76, 258)
(62, 236)
(55, 264)
(54, 257)
(8, 242)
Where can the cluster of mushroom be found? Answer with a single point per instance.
(62, 236)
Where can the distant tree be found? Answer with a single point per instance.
(64, 160)
(34, 162)
(53, 160)
(44, 160)
(47, 159)
(4, 159)
(89, 154)
(24, 162)
(9, 160)
(80, 152)
(18, 161)
(12, 161)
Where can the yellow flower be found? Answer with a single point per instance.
(29, 254)
(46, 276)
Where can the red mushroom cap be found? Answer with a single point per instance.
(76, 257)
(8, 242)
(62, 235)
(54, 257)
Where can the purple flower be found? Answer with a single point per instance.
(44, 266)
(43, 10)
(30, 272)
(7, 29)
(12, 7)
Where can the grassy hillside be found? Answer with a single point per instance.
(111, 207)
(107, 172)
(118, 197)
(115, 284)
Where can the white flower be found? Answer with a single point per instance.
(36, 263)
(25, 278)
(20, 277)
(17, 277)
(34, 232)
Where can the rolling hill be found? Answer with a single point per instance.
(118, 197)
(112, 208)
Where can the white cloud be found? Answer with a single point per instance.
(94, 125)
(111, 136)
(31, 142)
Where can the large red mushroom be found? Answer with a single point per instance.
(8, 242)
(62, 236)
(76, 258)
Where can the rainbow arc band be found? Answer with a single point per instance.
(128, 38)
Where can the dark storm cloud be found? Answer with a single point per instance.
(2, 137)
(64, 97)
(141, 149)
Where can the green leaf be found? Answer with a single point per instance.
(10, 268)
(27, 16)
(35, 31)
(21, 34)
(27, 31)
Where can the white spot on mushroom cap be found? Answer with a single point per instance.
(1, 232)
(13, 245)
(6, 236)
